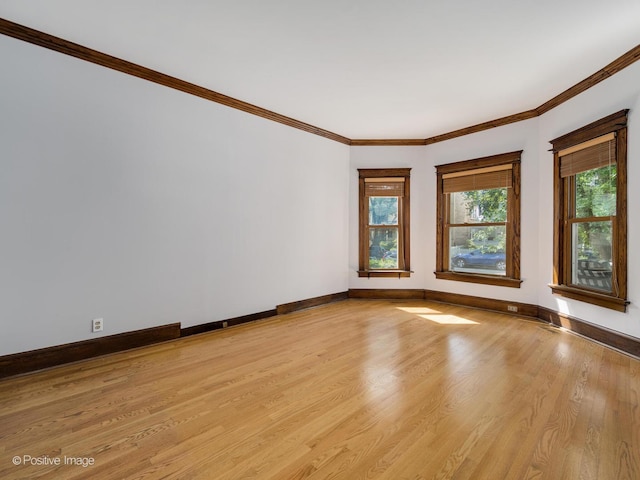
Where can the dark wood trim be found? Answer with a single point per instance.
(524, 309)
(25, 362)
(65, 47)
(408, 142)
(474, 163)
(610, 123)
(591, 331)
(495, 280)
(614, 67)
(610, 338)
(383, 172)
(218, 324)
(387, 293)
(384, 273)
(590, 296)
(30, 361)
(311, 302)
(404, 223)
(60, 45)
(442, 272)
(499, 122)
(611, 69)
(564, 190)
(514, 221)
(621, 258)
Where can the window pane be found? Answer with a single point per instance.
(383, 248)
(479, 206)
(383, 210)
(591, 255)
(478, 249)
(596, 192)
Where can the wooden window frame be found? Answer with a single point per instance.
(512, 272)
(403, 175)
(562, 283)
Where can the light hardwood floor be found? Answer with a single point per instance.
(356, 389)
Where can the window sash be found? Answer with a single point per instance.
(399, 249)
(610, 134)
(391, 182)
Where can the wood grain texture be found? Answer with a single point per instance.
(311, 302)
(60, 45)
(614, 67)
(562, 257)
(617, 340)
(230, 322)
(18, 363)
(398, 142)
(376, 389)
(387, 293)
(525, 309)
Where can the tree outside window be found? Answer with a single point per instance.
(384, 222)
(590, 231)
(479, 220)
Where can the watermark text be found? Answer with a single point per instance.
(53, 461)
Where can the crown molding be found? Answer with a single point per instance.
(611, 69)
(60, 45)
(409, 142)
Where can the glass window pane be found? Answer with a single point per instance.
(478, 206)
(596, 192)
(383, 248)
(383, 210)
(478, 249)
(591, 255)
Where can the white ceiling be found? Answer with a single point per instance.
(359, 68)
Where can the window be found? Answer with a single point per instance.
(590, 223)
(384, 222)
(478, 220)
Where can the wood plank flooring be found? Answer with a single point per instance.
(358, 389)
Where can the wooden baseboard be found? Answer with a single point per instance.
(523, 309)
(24, 362)
(218, 324)
(515, 308)
(387, 294)
(617, 340)
(311, 302)
(610, 338)
(30, 361)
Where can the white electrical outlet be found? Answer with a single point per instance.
(97, 324)
(512, 308)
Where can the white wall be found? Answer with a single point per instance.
(142, 205)
(616, 93)
(532, 136)
(516, 136)
(422, 160)
(420, 199)
(133, 202)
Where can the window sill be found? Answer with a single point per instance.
(384, 273)
(587, 296)
(479, 278)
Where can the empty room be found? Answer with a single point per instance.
(319, 240)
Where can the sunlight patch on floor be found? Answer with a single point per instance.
(437, 317)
